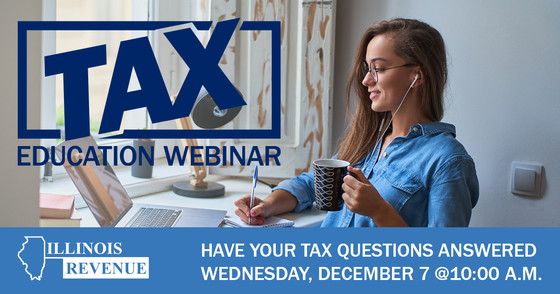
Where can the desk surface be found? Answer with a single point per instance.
(235, 188)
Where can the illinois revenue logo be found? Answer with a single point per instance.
(81, 260)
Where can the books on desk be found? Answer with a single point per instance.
(73, 221)
(56, 205)
(58, 211)
(270, 222)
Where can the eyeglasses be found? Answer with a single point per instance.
(374, 71)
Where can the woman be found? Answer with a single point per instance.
(410, 170)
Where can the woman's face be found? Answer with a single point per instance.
(386, 94)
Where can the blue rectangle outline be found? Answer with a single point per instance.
(273, 26)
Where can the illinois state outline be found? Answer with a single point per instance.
(32, 256)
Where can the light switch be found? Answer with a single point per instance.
(526, 179)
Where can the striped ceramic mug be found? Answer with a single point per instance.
(328, 175)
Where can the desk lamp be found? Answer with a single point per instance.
(205, 114)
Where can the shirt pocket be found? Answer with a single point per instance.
(403, 186)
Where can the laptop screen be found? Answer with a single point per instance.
(98, 184)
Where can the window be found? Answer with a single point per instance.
(306, 70)
(52, 106)
(100, 76)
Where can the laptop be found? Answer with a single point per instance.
(108, 200)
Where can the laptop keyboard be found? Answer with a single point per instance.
(155, 217)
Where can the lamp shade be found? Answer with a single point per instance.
(207, 115)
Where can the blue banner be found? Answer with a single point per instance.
(280, 260)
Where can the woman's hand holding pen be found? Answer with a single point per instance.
(361, 197)
(277, 202)
(258, 213)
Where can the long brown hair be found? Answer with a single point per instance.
(414, 41)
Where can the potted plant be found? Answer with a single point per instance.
(145, 170)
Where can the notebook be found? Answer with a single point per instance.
(271, 221)
(109, 202)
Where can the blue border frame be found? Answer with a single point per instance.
(25, 133)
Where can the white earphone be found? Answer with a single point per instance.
(416, 77)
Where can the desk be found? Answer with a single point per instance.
(235, 188)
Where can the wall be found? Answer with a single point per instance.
(19, 186)
(502, 94)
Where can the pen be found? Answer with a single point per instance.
(255, 176)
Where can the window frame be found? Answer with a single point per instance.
(48, 86)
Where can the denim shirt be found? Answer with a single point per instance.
(427, 176)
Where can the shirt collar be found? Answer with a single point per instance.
(431, 128)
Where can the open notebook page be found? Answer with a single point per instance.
(271, 221)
